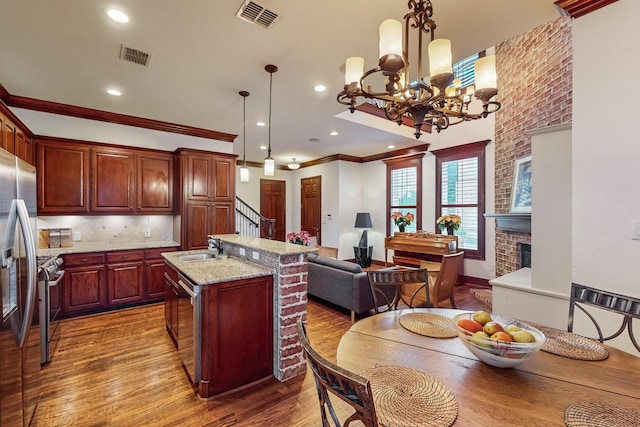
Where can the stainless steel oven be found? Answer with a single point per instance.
(50, 298)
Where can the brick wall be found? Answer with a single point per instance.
(534, 77)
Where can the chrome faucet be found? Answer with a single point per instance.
(215, 245)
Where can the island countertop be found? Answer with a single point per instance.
(265, 245)
(214, 271)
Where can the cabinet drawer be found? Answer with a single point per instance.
(125, 256)
(83, 259)
(150, 254)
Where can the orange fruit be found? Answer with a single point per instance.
(470, 325)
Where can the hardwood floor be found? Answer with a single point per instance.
(121, 369)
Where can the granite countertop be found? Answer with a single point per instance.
(218, 270)
(265, 245)
(84, 247)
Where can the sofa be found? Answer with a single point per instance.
(341, 283)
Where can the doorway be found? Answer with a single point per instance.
(311, 206)
(273, 202)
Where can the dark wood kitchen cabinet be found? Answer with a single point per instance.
(154, 280)
(113, 181)
(125, 271)
(84, 284)
(207, 205)
(155, 182)
(171, 302)
(14, 138)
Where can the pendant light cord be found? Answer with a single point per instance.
(270, 92)
(244, 132)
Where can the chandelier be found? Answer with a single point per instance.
(293, 165)
(436, 102)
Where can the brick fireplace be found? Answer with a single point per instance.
(535, 79)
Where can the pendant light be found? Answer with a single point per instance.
(244, 170)
(269, 163)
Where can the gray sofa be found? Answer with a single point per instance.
(342, 283)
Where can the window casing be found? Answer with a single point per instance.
(404, 191)
(460, 189)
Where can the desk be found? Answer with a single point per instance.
(535, 393)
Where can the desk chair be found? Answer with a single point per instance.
(348, 386)
(584, 296)
(396, 277)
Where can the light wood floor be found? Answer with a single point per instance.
(121, 369)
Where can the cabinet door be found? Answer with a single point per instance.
(84, 289)
(224, 179)
(199, 177)
(171, 303)
(63, 178)
(113, 181)
(198, 224)
(223, 218)
(155, 183)
(124, 283)
(2, 137)
(9, 131)
(154, 279)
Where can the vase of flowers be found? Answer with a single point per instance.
(301, 238)
(449, 222)
(402, 221)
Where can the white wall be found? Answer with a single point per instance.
(606, 149)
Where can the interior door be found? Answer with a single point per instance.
(311, 206)
(272, 205)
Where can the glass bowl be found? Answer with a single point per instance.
(500, 354)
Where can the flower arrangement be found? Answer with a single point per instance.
(450, 222)
(301, 238)
(402, 220)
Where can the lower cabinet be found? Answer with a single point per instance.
(84, 284)
(124, 277)
(171, 302)
(154, 280)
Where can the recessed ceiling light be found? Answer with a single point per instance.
(320, 88)
(263, 147)
(260, 124)
(114, 92)
(391, 146)
(334, 133)
(118, 15)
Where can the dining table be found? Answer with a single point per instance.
(534, 393)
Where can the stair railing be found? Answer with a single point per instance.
(249, 222)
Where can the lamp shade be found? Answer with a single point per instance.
(440, 57)
(390, 38)
(269, 166)
(485, 71)
(244, 174)
(363, 220)
(354, 69)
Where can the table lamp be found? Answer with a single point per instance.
(363, 220)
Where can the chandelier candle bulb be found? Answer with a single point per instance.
(354, 68)
(390, 38)
(485, 71)
(440, 57)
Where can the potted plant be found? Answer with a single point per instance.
(450, 222)
(301, 238)
(402, 221)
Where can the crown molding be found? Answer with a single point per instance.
(578, 8)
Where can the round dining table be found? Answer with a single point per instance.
(534, 393)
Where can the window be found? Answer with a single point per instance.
(460, 181)
(404, 191)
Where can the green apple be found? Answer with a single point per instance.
(481, 317)
(523, 336)
(481, 338)
(512, 328)
(492, 327)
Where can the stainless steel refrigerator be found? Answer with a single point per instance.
(19, 331)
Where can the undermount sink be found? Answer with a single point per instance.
(197, 257)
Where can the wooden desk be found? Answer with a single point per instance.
(536, 393)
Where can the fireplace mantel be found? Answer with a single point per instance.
(519, 222)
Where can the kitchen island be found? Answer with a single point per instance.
(243, 307)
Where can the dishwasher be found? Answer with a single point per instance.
(189, 326)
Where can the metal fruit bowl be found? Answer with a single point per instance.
(500, 354)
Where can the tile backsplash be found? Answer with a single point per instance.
(113, 228)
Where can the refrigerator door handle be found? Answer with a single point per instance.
(30, 248)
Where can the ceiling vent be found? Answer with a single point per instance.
(256, 13)
(134, 55)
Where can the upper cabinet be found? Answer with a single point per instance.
(14, 139)
(209, 177)
(78, 178)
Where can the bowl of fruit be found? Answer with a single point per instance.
(498, 340)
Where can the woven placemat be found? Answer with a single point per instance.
(572, 346)
(600, 414)
(407, 397)
(429, 324)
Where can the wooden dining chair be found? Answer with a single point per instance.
(381, 280)
(442, 289)
(348, 386)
